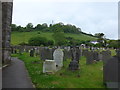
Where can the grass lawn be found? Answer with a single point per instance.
(18, 37)
(91, 76)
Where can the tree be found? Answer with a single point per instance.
(13, 27)
(59, 37)
(101, 39)
(38, 41)
(29, 26)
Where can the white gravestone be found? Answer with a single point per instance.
(58, 57)
(49, 66)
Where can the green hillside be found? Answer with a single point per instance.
(18, 37)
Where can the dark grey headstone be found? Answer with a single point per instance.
(105, 56)
(95, 56)
(67, 54)
(85, 52)
(111, 72)
(89, 57)
(32, 53)
(74, 64)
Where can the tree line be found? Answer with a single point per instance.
(68, 28)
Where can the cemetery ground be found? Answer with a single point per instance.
(19, 37)
(89, 76)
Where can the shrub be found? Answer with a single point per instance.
(23, 43)
(37, 41)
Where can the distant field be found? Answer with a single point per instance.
(18, 37)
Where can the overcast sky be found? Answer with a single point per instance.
(91, 17)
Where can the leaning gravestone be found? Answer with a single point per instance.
(49, 66)
(111, 72)
(58, 57)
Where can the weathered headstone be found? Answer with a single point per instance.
(105, 56)
(32, 53)
(42, 54)
(74, 64)
(89, 57)
(85, 52)
(95, 56)
(67, 54)
(46, 53)
(111, 72)
(58, 57)
(100, 56)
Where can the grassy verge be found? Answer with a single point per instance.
(91, 76)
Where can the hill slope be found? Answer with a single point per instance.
(18, 37)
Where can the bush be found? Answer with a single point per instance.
(50, 43)
(23, 43)
(37, 41)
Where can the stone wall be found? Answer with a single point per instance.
(6, 31)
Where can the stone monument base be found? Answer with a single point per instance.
(49, 66)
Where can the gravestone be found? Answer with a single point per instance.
(67, 54)
(105, 56)
(89, 57)
(100, 56)
(58, 57)
(21, 50)
(36, 51)
(95, 56)
(74, 64)
(85, 52)
(46, 53)
(42, 54)
(111, 72)
(32, 53)
(49, 66)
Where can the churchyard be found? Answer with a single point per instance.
(55, 56)
(83, 72)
